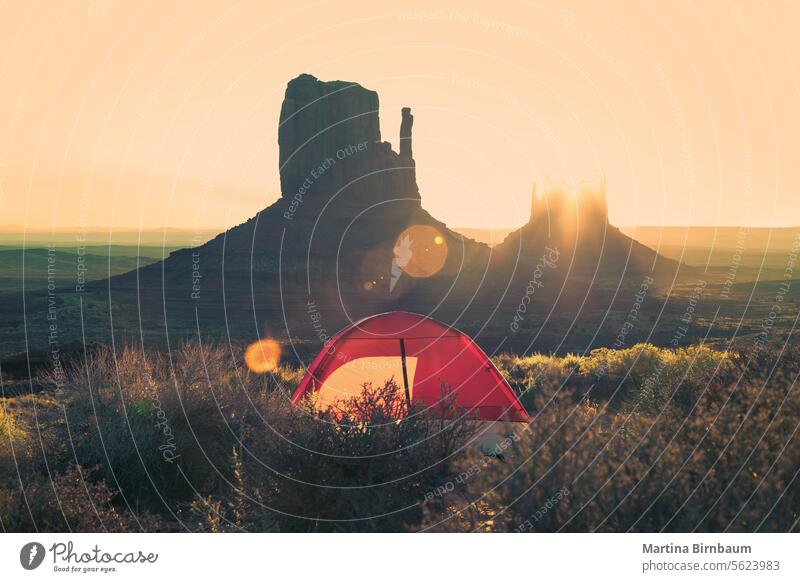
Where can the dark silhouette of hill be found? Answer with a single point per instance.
(329, 239)
(324, 253)
(573, 219)
(349, 237)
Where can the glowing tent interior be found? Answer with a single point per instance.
(420, 353)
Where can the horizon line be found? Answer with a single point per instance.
(186, 229)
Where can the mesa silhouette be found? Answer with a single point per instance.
(349, 237)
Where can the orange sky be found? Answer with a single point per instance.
(150, 114)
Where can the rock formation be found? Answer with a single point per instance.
(346, 198)
(405, 134)
(330, 140)
(575, 206)
(573, 218)
(329, 243)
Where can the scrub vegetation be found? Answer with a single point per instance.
(639, 439)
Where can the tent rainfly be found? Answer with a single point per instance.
(420, 353)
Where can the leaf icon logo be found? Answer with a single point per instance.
(401, 258)
(31, 555)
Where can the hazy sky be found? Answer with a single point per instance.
(150, 114)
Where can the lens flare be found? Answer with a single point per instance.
(420, 251)
(263, 356)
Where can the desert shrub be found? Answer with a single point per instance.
(642, 376)
(638, 361)
(707, 445)
(365, 465)
(30, 438)
(10, 434)
(675, 376)
(161, 427)
(197, 439)
(10, 430)
(724, 464)
(73, 501)
(7, 425)
(527, 374)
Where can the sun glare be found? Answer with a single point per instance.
(263, 356)
(424, 251)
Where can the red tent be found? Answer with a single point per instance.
(419, 353)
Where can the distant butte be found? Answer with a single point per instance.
(329, 241)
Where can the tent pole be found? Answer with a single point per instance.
(405, 372)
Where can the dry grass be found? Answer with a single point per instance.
(711, 449)
(642, 439)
